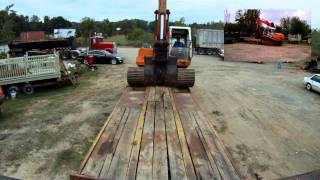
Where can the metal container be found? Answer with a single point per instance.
(210, 38)
(32, 36)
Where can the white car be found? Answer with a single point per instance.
(313, 82)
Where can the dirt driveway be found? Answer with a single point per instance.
(267, 120)
(46, 135)
(263, 53)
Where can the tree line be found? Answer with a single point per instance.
(245, 22)
(12, 24)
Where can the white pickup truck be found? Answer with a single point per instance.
(313, 82)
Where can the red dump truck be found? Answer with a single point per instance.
(1, 98)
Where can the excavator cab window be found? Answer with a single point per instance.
(180, 43)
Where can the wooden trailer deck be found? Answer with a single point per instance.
(157, 133)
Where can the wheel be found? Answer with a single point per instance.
(113, 61)
(74, 55)
(64, 55)
(210, 52)
(309, 87)
(13, 91)
(28, 89)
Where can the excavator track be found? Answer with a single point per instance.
(185, 78)
(135, 77)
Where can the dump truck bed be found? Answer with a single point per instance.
(157, 133)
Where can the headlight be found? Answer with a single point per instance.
(119, 58)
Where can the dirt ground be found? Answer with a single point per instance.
(46, 135)
(266, 119)
(263, 53)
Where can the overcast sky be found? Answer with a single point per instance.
(193, 10)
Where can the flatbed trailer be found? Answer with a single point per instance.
(157, 133)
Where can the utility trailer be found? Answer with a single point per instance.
(27, 72)
(209, 41)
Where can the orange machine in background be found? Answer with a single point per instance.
(141, 54)
(266, 32)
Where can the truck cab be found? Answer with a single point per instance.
(180, 45)
(96, 43)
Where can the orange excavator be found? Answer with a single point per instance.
(266, 32)
(161, 62)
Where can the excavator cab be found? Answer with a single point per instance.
(181, 45)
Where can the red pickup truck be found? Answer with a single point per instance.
(1, 97)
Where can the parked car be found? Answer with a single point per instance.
(313, 82)
(1, 98)
(102, 56)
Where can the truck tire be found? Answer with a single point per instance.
(209, 52)
(28, 89)
(64, 55)
(13, 89)
(74, 55)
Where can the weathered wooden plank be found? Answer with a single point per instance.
(151, 94)
(197, 151)
(121, 157)
(189, 166)
(144, 170)
(160, 163)
(177, 167)
(95, 142)
(109, 155)
(215, 147)
(206, 147)
(134, 157)
(94, 164)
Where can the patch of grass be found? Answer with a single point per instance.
(67, 158)
(119, 39)
(12, 117)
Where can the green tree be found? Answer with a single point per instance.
(246, 20)
(136, 34)
(87, 27)
(294, 25)
(299, 26)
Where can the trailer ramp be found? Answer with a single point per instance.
(157, 133)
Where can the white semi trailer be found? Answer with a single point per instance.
(209, 41)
